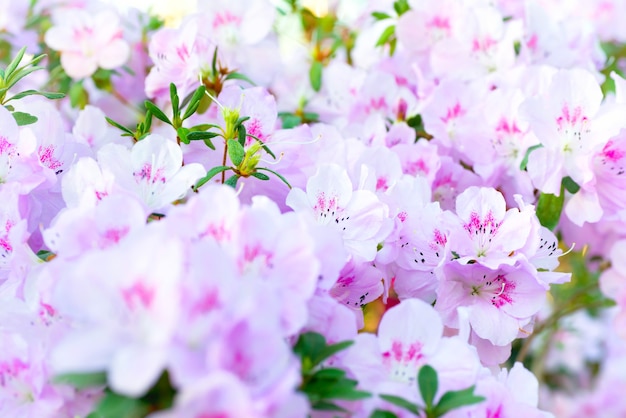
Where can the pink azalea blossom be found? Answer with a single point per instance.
(88, 42)
(500, 302)
(152, 170)
(358, 215)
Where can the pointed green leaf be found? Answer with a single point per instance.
(209, 175)
(315, 75)
(265, 147)
(174, 100)
(19, 74)
(194, 103)
(380, 16)
(401, 402)
(290, 120)
(260, 176)
(235, 152)
(119, 126)
(182, 135)
(209, 144)
(241, 134)
(117, 406)
(524, 162)
(241, 120)
(201, 136)
(386, 35)
(549, 209)
(232, 181)
(46, 94)
(379, 413)
(327, 406)
(307, 346)
(158, 113)
(15, 62)
(204, 127)
(331, 350)
(78, 96)
(401, 7)
(329, 373)
(239, 76)
(82, 380)
(428, 383)
(456, 399)
(284, 180)
(214, 61)
(570, 185)
(23, 119)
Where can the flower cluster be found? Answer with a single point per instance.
(270, 209)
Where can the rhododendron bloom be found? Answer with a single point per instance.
(125, 314)
(499, 301)
(486, 232)
(87, 42)
(410, 336)
(152, 170)
(358, 215)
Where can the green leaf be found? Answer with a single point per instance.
(327, 406)
(147, 122)
(284, 180)
(401, 402)
(158, 113)
(549, 209)
(232, 181)
(235, 151)
(311, 116)
(265, 147)
(456, 399)
(119, 126)
(428, 383)
(239, 76)
(214, 61)
(401, 7)
(194, 103)
(330, 350)
(182, 135)
(379, 413)
(175, 100)
(260, 176)
(46, 94)
(386, 35)
(203, 127)
(209, 144)
(81, 380)
(241, 120)
(524, 162)
(78, 96)
(329, 373)
(380, 16)
(44, 254)
(117, 406)
(290, 120)
(570, 185)
(315, 75)
(307, 346)
(241, 133)
(201, 136)
(15, 62)
(19, 74)
(210, 174)
(23, 119)
(339, 389)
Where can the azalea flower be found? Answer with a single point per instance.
(88, 41)
(152, 170)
